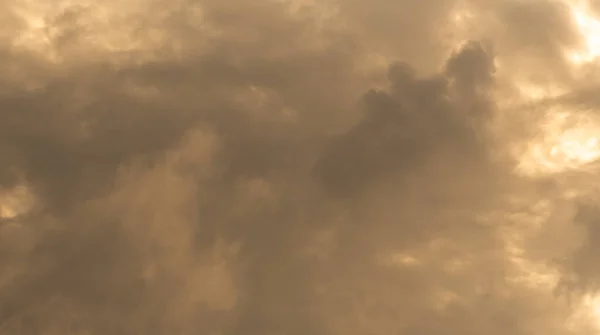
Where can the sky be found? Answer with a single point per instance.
(296, 167)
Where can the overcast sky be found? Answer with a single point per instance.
(299, 167)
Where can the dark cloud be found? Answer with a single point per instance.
(414, 119)
(234, 167)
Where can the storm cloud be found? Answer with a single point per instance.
(299, 167)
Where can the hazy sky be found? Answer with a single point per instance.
(299, 167)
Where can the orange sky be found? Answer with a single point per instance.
(299, 167)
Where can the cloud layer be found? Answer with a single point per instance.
(298, 167)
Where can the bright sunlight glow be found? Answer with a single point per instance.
(589, 27)
(568, 141)
(15, 202)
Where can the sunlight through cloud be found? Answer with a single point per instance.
(568, 141)
(589, 27)
(15, 202)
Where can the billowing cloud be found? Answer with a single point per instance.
(298, 167)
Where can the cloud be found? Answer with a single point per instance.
(342, 167)
(402, 127)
